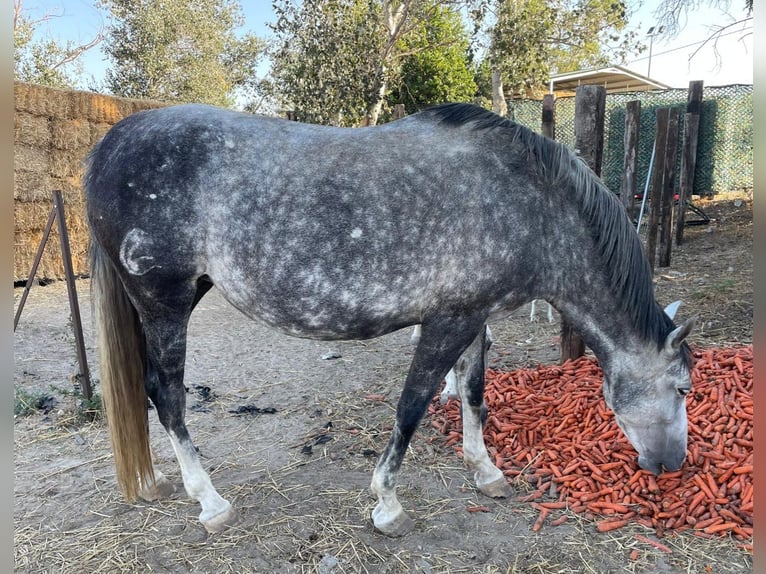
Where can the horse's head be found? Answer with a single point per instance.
(647, 393)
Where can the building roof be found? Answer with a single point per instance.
(614, 79)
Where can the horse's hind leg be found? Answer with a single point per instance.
(441, 343)
(470, 381)
(450, 390)
(165, 355)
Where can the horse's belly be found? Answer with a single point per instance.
(339, 315)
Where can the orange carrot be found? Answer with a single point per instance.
(654, 543)
(609, 525)
(549, 427)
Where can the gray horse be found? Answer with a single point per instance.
(445, 219)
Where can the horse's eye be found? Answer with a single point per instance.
(682, 391)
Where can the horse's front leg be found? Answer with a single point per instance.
(441, 342)
(469, 371)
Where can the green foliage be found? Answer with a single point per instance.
(86, 410)
(337, 61)
(436, 67)
(325, 58)
(533, 39)
(180, 50)
(28, 402)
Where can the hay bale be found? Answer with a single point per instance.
(65, 163)
(69, 134)
(31, 215)
(94, 107)
(31, 186)
(31, 130)
(41, 100)
(98, 131)
(30, 220)
(71, 188)
(30, 158)
(51, 265)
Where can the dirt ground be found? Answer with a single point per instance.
(297, 458)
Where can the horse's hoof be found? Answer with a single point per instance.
(395, 526)
(221, 520)
(498, 488)
(162, 488)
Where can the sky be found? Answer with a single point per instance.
(674, 62)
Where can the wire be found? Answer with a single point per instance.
(671, 50)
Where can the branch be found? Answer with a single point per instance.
(74, 53)
(715, 36)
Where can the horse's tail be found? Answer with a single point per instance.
(121, 356)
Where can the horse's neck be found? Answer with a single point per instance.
(600, 320)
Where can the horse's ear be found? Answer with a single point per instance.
(677, 335)
(671, 309)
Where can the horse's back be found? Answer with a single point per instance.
(315, 229)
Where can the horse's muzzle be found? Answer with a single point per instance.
(656, 466)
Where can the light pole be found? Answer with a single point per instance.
(652, 32)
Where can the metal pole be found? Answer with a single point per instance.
(35, 264)
(646, 187)
(66, 255)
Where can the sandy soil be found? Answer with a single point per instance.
(299, 476)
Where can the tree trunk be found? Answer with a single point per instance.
(393, 18)
(374, 113)
(499, 106)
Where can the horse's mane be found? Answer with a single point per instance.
(617, 243)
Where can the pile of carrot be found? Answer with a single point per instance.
(550, 428)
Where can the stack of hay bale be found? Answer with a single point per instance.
(53, 131)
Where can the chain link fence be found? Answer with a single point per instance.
(724, 150)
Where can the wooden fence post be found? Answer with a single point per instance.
(668, 186)
(399, 111)
(549, 116)
(590, 105)
(655, 196)
(630, 160)
(688, 154)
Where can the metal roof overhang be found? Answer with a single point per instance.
(614, 79)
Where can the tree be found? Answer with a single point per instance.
(45, 61)
(324, 58)
(435, 63)
(528, 40)
(180, 50)
(334, 60)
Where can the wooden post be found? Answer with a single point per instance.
(688, 154)
(399, 111)
(655, 192)
(630, 159)
(590, 105)
(668, 188)
(549, 116)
